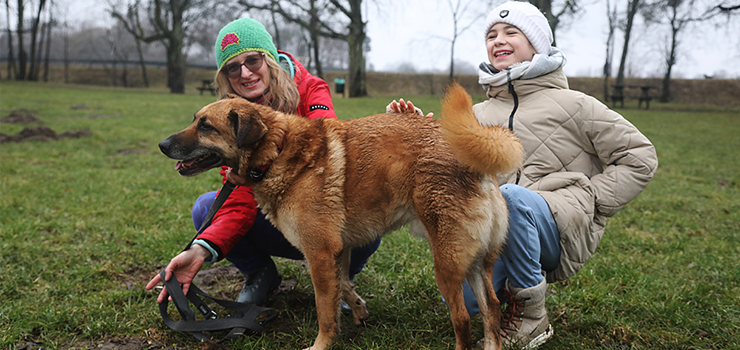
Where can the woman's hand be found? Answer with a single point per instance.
(184, 266)
(234, 178)
(405, 107)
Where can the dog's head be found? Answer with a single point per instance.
(225, 132)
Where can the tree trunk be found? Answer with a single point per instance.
(314, 35)
(11, 56)
(612, 16)
(48, 44)
(315, 48)
(452, 58)
(631, 11)
(21, 49)
(66, 53)
(356, 40)
(39, 50)
(176, 60)
(33, 72)
(665, 95)
(176, 69)
(141, 62)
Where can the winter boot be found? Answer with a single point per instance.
(524, 323)
(259, 284)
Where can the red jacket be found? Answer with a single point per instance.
(239, 211)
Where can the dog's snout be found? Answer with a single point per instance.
(164, 146)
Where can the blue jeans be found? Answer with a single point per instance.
(532, 246)
(264, 240)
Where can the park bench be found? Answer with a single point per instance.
(207, 85)
(618, 95)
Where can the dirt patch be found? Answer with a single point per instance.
(42, 133)
(39, 133)
(21, 116)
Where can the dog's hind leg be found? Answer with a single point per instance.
(450, 265)
(359, 307)
(490, 310)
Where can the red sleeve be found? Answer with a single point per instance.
(233, 220)
(315, 99)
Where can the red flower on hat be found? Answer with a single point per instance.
(229, 39)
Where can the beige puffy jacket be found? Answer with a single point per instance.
(586, 160)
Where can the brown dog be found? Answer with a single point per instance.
(332, 185)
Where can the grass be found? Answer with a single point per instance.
(85, 223)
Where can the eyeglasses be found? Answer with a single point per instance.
(252, 62)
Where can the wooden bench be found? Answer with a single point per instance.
(207, 85)
(618, 95)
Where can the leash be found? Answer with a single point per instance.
(217, 203)
(245, 316)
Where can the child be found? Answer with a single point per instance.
(582, 164)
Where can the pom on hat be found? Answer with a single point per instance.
(242, 35)
(528, 19)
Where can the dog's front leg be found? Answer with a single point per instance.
(324, 266)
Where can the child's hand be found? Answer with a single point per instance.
(405, 107)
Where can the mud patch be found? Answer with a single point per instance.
(42, 133)
(21, 116)
(39, 133)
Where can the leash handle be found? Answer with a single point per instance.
(223, 194)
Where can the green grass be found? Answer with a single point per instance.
(85, 223)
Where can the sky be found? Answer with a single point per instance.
(417, 33)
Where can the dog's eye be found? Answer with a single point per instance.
(205, 127)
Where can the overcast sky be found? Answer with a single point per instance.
(417, 32)
(408, 35)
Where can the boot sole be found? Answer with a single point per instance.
(541, 339)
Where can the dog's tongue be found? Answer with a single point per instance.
(179, 165)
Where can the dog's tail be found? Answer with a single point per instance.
(491, 150)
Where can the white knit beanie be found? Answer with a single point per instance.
(528, 19)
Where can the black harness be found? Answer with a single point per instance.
(245, 316)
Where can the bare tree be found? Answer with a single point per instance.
(320, 18)
(11, 57)
(21, 74)
(632, 7)
(169, 20)
(678, 14)
(33, 71)
(50, 24)
(307, 14)
(611, 14)
(459, 9)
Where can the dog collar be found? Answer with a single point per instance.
(258, 175)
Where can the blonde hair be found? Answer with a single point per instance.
(282, 93)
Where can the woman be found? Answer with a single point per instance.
(582, 164)
(250, 66)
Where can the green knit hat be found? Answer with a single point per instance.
(242, 35)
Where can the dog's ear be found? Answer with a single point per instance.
(248, 126)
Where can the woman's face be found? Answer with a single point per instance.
(506, 45)
(252, 81)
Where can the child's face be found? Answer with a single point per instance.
(506, 45)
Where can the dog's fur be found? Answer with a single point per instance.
(332, 185)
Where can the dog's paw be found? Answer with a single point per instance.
(359, 312)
